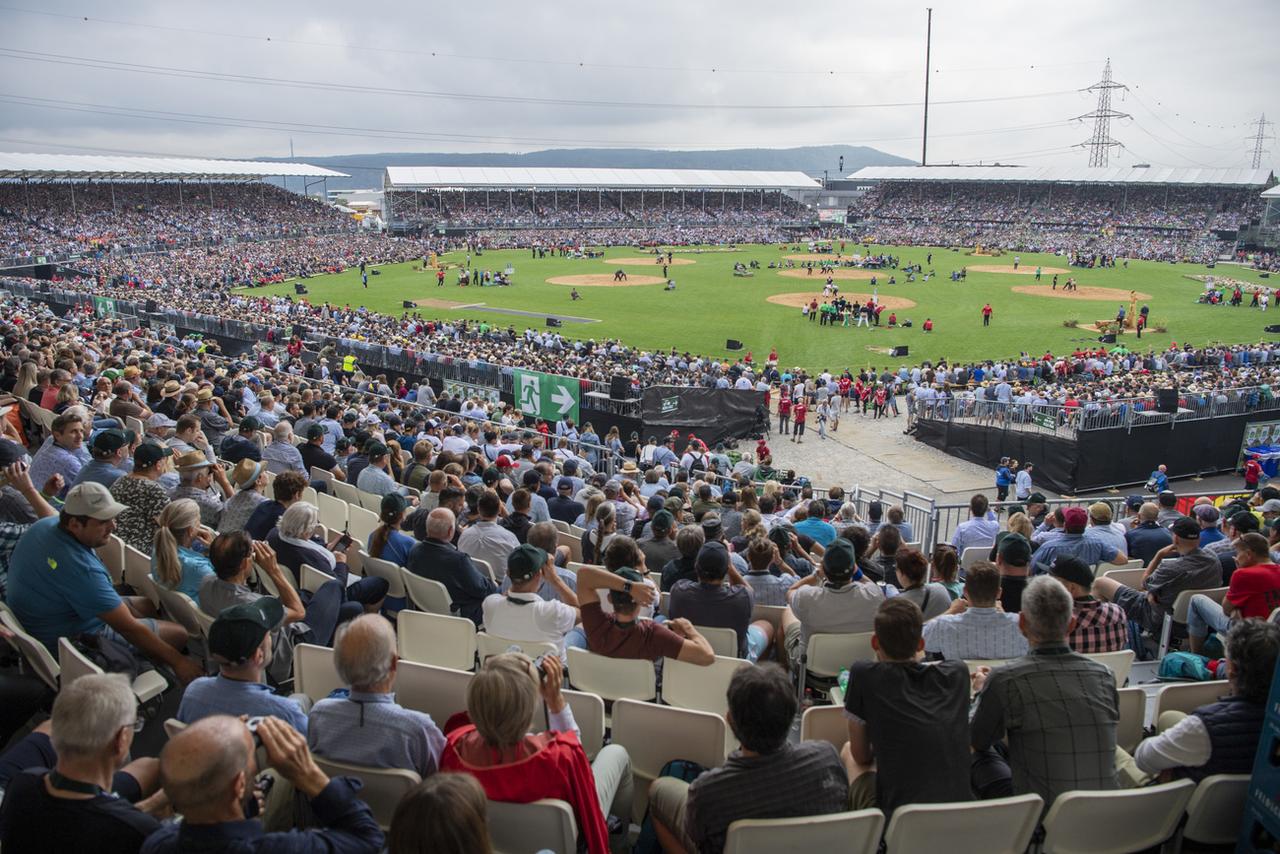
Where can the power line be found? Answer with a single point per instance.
(197, 74)
(508, 58)
(144, 114)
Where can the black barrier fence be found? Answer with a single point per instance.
(1100, 459)
(714, 415)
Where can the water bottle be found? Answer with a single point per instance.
(843, 679)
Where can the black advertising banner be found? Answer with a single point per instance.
(712, 414)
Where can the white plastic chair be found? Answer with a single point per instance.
(1133, 710)
(322, 475)
(1178, 613)
(854, 832)
(588, 713)
(137, 574)
(187, 613)
(1119, 662)
(488, 645)
(370, 502)
(36, 655)
(611, 678)
(376, 567)
(1000, 826)
(723, 641)
(439, 691)
(112, 557)
(314, 673)
(74, 665)
(545, 825)
(1216, 810)
(360, 523)
(825, 723)
(827, 654)
(769, 613)
(311, 579)
(435, 639)
(333, 511)
(426, 593)
(703, 689)
(485, 567)
(383, 787)
(1189, 696)
(1131, 577)
(571, 541)
(654, 735)
(973, 554)
(1115, 822)
(345, 491)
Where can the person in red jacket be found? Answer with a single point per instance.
(784, 414)
(986, 315)
(518, 767)
(928, 324)
(1252, 472)
(799, 412)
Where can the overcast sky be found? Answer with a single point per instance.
(386, 76)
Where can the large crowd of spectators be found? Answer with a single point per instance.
(1178, 223)
(61, 219)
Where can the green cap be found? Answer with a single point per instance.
(315, 431)
(238, 630)
(525, 561)
(375, 449)
(839, 558)
(663, 522)
(112, 440)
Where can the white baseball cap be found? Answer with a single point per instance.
(93, 500)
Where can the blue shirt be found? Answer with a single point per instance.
(822, 532)
(975, 532)
(57, 586)
(218, 695)
(1088, 549)
(372, 729)
(54, 459)
(100, 471)
(195, 568)
(397, 548)
(1211, 535)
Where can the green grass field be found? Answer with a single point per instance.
(710, 305)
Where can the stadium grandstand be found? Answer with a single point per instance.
(1153, 213)
(494, 202)
(59, 207)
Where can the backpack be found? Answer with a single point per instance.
(681, 769)
(1185, 666)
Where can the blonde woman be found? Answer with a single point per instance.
(68, 395)
(27, 375)
(175, 565)
(753, 524)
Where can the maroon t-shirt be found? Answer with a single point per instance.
(642, 639)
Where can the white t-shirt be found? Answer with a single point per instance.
(537, 619)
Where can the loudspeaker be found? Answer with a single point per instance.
(900, 350)
(554, 321)
(1275, 327)
(1264, 275)
(299, 330)
(152, 307)
(1107, 339)
(1167, 400)
(299, 288)
(408, 303)
(906, 324)
(733, 344)
(619, 388)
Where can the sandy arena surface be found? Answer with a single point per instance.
(801, 299)
(838, 273)
(1084, 292)
(1023, 269)
(605, 280)
(649, 261)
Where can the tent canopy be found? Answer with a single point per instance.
(493, 178)
(1069, 175)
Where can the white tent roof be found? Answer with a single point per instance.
(1273, 193)
(1068, 175)
(486, 177)
(18, 165)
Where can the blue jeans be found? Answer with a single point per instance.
(1204, 615)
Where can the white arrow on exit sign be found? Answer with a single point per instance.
(563, 398)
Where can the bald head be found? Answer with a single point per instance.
(364, 653)
(205, 768)
(440, 524)
(1148, 512)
